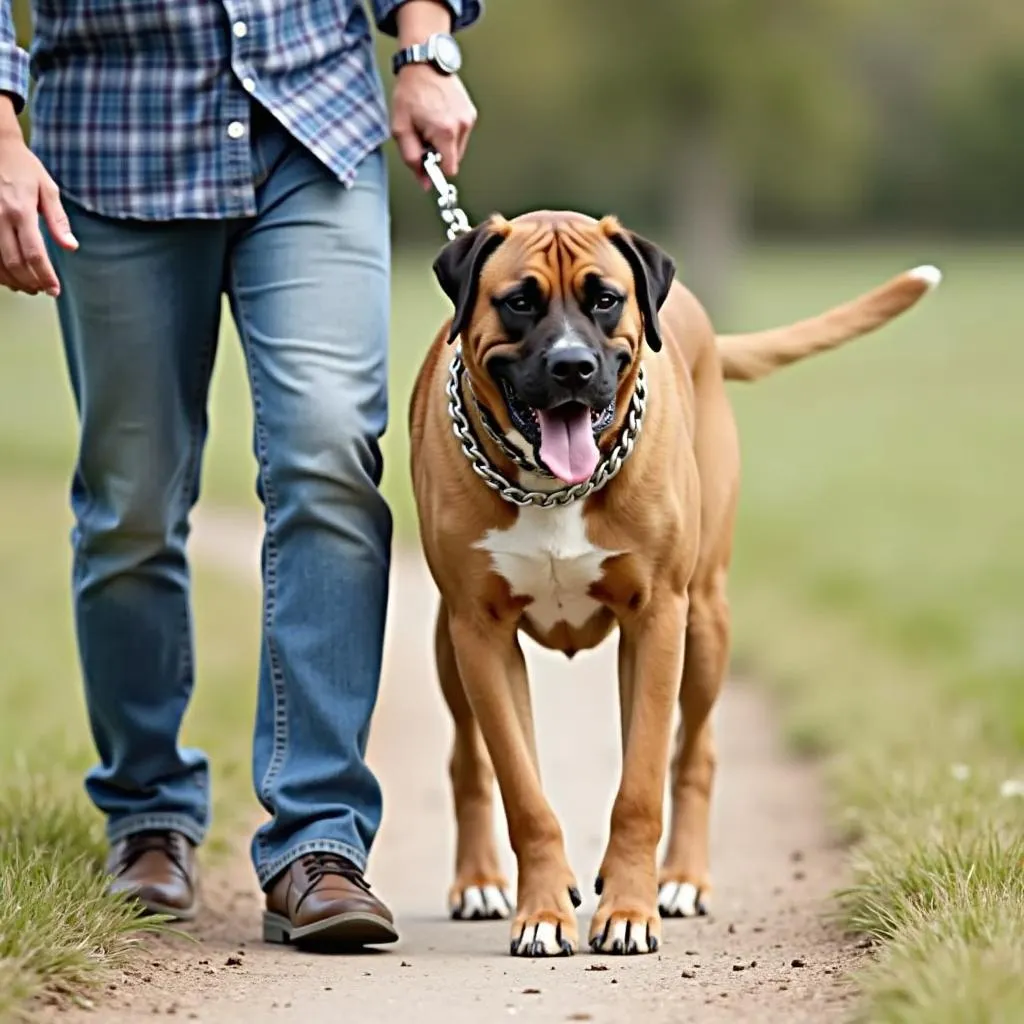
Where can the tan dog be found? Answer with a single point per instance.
(544, 396)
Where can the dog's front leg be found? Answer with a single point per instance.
(545, 921)
(627, 919)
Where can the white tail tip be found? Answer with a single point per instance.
(931, 276)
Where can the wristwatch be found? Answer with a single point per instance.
(440, 49)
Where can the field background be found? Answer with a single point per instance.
(877, 585)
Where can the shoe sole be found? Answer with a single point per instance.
(342, 931)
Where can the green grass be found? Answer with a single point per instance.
(878, 586)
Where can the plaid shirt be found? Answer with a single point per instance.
(142, 107)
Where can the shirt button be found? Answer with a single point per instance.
(240, 29)
(236, 129)
(249, 84)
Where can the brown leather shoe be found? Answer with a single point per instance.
(158, 868)
(321, 901)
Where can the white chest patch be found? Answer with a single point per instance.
(547, 556)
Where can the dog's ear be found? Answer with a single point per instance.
(653, 273)
(458, 266)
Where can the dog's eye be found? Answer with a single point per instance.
(519, 303)
(606, 302)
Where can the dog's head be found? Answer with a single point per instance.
(553, 310)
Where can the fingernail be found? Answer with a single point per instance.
(53, 292)
(71, 240)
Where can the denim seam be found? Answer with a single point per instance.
(268, 871)
(280, 741)
(190, 494)
(146, 822)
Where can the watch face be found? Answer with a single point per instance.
(447, 53)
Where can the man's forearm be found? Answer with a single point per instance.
(419, 19)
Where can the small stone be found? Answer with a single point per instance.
(531, 991)
(731, 929)
(598, 967)
(233, 961)
(799, 876)
(692, 952)
(405, 963)
(797, 962)
(689, 974)
(739, 967)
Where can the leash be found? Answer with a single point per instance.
(457, 223)
(452, 214)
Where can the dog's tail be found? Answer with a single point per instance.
(753, 356)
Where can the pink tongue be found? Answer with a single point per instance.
(567, 443)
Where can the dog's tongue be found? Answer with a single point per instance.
(567, 443)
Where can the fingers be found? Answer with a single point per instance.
(16, 267)
(450, 137)
(411, 148)
(55, 216)
(24, 263)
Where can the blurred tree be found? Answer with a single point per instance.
(695, 106)
(699, 121)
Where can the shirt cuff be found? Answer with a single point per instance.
(464, 13)
(14, 74)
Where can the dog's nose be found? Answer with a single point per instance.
(572, 367)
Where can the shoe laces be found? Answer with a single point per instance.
(138, 844)
(319, 865)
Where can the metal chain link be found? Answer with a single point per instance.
(607, 468)
(447, 197)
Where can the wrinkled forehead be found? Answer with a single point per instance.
(560, 251)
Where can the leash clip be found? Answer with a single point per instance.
(452, 214)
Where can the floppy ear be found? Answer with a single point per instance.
(458, 266)
(653, 273)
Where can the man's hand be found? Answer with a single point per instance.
(429, 109)
(26, 191)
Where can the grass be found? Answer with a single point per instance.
(877, 586)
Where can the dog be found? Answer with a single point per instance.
(576, 465)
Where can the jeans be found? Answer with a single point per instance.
(308, 283)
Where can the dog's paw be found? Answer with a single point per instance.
(682, 899)
(546, 926)
(624, 927)
(487, 901)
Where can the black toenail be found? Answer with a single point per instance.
(598, 885)
(574, 895)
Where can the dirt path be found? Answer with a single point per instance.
(764, 956)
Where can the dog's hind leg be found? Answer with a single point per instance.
(684, 881)
(480, 890)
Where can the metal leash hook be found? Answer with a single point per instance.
(447, 197)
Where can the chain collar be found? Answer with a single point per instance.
(607, 468)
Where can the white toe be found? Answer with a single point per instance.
(539, 940)
(679, 900)
(496, 903)
(667, 896)
(472, 904)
